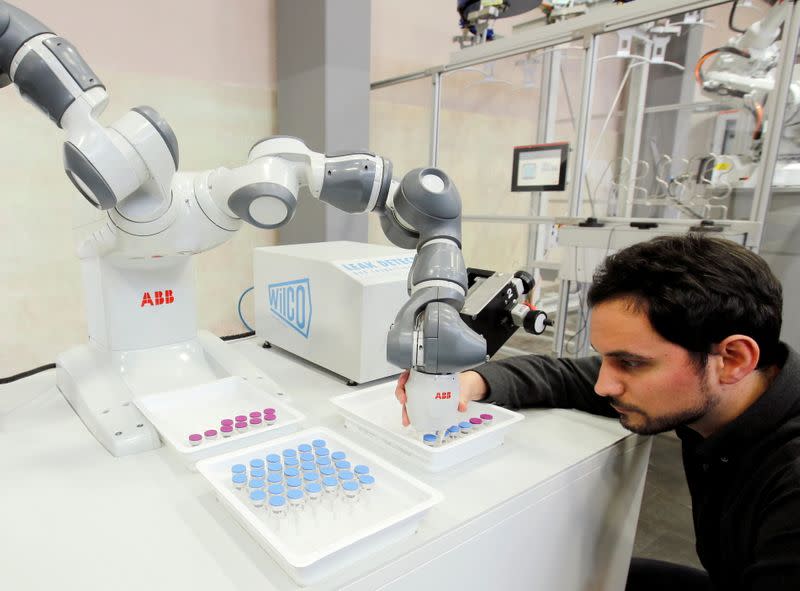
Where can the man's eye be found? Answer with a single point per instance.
(629, 364)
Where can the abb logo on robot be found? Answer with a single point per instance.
(443, 396)
(159, 298)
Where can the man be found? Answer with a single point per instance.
(687, 330)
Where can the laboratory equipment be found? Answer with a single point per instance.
(357, 517)
(477, 17)
(374, 413)
(542, 167)
(137, 257)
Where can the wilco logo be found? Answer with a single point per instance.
(159, 298)
(291, 302)
(443, 396)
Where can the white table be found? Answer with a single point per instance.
(74, 517)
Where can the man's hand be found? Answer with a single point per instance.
(471, 383)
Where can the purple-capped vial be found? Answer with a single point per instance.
(255, 421)
(270, 419)
(195, 439)
(476, 422)
(269, 411)
(226, 430)
(226, 422)
(240, 419)
(210, 434)
(256, 414)
(241, 426)
(487, 419)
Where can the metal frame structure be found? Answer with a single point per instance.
(604, 19)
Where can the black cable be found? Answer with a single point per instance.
(26, 374)
(241, 335)
(731, 17)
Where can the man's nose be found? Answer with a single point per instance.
(607, 383)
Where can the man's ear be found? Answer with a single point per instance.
(738, 357)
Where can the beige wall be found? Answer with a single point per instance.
(210, 71)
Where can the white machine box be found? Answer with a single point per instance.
(332, 303)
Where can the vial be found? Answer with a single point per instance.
(289, 453)
(258, 473)
(291, 472)
(274, 468)
(239, 481)
(256, 414)
(277, 506)
(342, 465)
(321, 452)
(270, 419)
(239, 469)
(240, 419)
(241, 427)
(275, 489)
(307, 457)
(337, 456)
(255, 422)
(475, 422)
(366, 481)
(361, 469)
(226, 423)
(308, 467)
(273, 458)
(257, 498)
(226, 430)
(304, 448)
(313, 491)
(327, 471)
(487, 419)
(350, 488)
(195, 439)
(291, 462)
(210, 434)
(269, 411)
(346, 475)
(296, 500)
(255, 484)
(256, 463)
(330, 484)
(465, 427)
(318, 443)
(323, 461)
(310, 477)
(274, 478)
(293, 483)
(453, 433)
(430, 439)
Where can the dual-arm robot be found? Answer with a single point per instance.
(136, 261)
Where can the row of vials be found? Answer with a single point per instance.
(463, 429)
(240, 423)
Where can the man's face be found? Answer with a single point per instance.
(652, 383)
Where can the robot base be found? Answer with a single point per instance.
(100, 384)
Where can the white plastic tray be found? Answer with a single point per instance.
(330, 533)
(375, 413)
(178, 413)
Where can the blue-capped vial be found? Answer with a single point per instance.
(289, 453)
(255, 484)
(258, 473)
(256, 463)
(318, 443)
(291, 462)
(274, 478)
(430, 439)
(338, 455)
(257, 498)
(322, 452)
(239, 481)
(293, 483)
(342, 465)
(327, 471)
(313, 491)
(306, 457)
(366, 481)
(361, 469)
(238, 469)
(276, 489)
(291, 472)
(330, 484)
(277, 506)
(275, 467)
(303, 448)
(323, 461)
(350, 489)
(308, 467)
(465, 427)
(272, 458)
(346, 475)
(295, 496)
(310, 477)
(453, 432)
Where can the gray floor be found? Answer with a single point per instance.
(665, 530)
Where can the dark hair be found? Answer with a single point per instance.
(697, 290)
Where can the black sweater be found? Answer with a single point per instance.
(744, 480)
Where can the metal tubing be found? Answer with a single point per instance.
(437, 102)
(589, 68)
